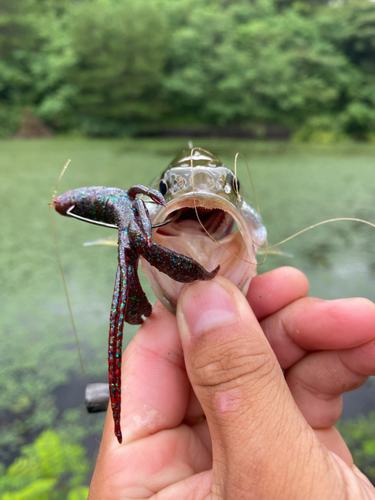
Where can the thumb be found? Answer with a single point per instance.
(260, 441)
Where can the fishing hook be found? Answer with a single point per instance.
(97, 223)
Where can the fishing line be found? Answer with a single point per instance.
(255, 199)
(320, 224)
(250, 177)
(50, 205)
(59, 179)
(267, 247)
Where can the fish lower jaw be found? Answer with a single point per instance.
(211, 245)
(236, 262)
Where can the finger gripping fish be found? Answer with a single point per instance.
(113, 207)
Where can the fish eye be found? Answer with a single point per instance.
(163, 187)
(236, 185)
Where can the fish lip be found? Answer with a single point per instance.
(208, 201)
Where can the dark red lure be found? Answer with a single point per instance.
(119, 209)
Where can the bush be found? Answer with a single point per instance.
(10, 118)
(322, 129)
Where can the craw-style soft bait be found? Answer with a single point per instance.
(112, 207)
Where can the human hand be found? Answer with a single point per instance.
(214, 416)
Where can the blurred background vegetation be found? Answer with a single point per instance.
(93, 80)
(117, 67)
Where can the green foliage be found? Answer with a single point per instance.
(265, 67)
(9, 119)
(351, 28)
(48, 469)
(35, 58)
(359, 436)
(118, 64)
(322, 129)
(111, 67)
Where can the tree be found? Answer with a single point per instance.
(34, 58)
(110, 67)
(351, 27)
(266, 67)
(120, 53)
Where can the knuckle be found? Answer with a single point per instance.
(229, 363)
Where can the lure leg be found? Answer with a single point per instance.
(126, 258)
(152, 193)
(115, 348)
(176, 266)
(138, 304)
(129, 304)
(143, 219)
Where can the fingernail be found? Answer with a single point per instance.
(206, 305)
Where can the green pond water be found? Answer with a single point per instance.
(40, 380)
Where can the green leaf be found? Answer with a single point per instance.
(79, 493)
(38, 490)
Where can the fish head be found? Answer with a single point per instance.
(208, 194)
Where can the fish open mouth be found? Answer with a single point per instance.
(216, 222)
(210, 240)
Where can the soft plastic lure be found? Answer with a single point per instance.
(112, 207)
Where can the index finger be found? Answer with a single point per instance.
(312, 324)
(271, 291)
